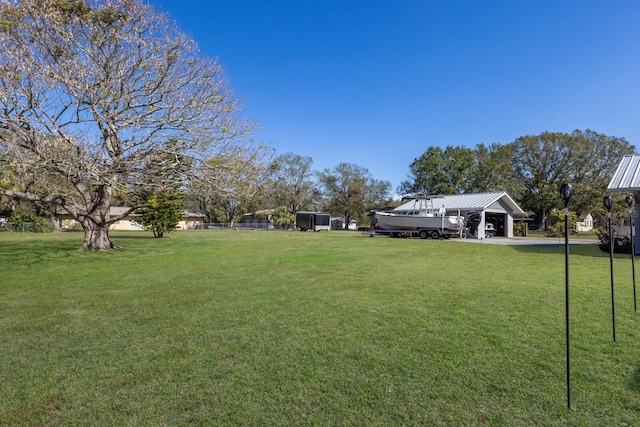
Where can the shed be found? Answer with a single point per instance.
(315, 221)
(626, 179)
(496, 209)
(584, 223)
(259, 219)
(191, 220)
(339, 224)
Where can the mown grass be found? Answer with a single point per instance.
(287, 328)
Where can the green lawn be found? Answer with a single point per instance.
(258, 328)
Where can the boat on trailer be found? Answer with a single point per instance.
(420, 218)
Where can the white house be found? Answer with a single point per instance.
(584, 223)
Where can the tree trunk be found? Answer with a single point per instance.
(542, 217)
(55, 222)
(347, 219)
(96, 236)
(96, 223)
(231, 216)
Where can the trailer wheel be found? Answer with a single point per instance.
(423, 234)
(435, 234)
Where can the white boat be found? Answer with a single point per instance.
(421, 218)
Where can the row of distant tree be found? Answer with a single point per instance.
(108, 103)
(531, 169)
(290, 183)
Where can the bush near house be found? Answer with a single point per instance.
(557, 228)
(26, 221)
(283, 218)
(162, 214)
(621, 244)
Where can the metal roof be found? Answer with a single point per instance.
(627, 176)
(473, 201)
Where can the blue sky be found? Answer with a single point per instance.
(375, 83)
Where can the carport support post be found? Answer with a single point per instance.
(566, 191)
(636, 196)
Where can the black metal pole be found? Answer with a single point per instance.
(633, 250)
(633, 272)
(608, 203)
(566, 191)
(566, 294)
(613, 298)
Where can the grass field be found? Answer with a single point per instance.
(259, 328)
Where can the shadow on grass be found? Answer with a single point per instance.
(34, 252)
(41, 247)
(634, 383)
(579, 250)
(116, 237)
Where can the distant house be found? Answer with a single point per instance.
(190, 220)
(258, 219)
(127, 223)
(338, 224)
(584, 223)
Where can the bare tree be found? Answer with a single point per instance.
(292, 183)
(235, 180)
(107, 95)
(351, 191)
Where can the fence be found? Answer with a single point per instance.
(25, 227)
(30, 227)
(241, 226)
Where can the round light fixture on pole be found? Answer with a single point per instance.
(608, 203)
(566, 191)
